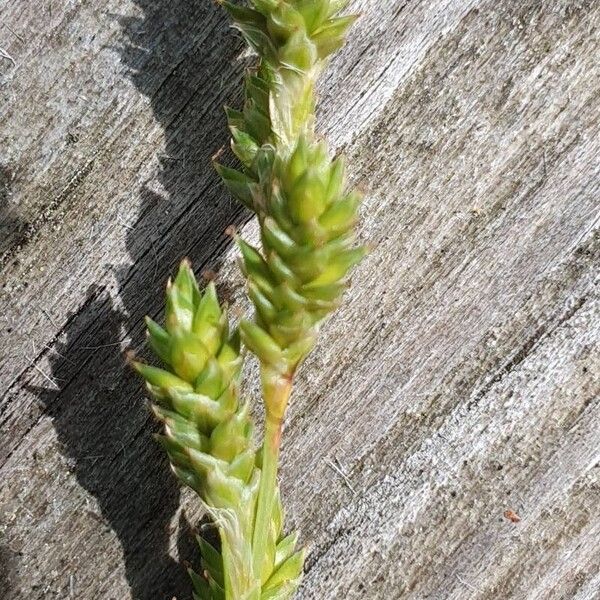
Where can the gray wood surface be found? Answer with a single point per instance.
(457, 390)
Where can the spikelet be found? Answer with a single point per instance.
(208, 438)
(306, 214)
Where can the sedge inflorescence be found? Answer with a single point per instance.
(295, 279)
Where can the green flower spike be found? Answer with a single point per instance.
(208, 438)
(306, 215)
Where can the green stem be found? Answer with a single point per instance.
(276, 398)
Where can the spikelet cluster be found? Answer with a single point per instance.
(208, 438)
(295, 279)
(306, 214)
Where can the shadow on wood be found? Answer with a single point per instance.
(99, 415)
(7, 569)
(9, 221)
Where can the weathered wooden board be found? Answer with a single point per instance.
(458, 387)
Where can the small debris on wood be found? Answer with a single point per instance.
(18, 36)
(338, 469)
(42, 373)
(467, 584)
(512, 516)
(5, 54)
(47, 315)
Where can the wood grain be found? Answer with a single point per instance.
(458, 387)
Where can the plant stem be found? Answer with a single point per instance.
(276, 398)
